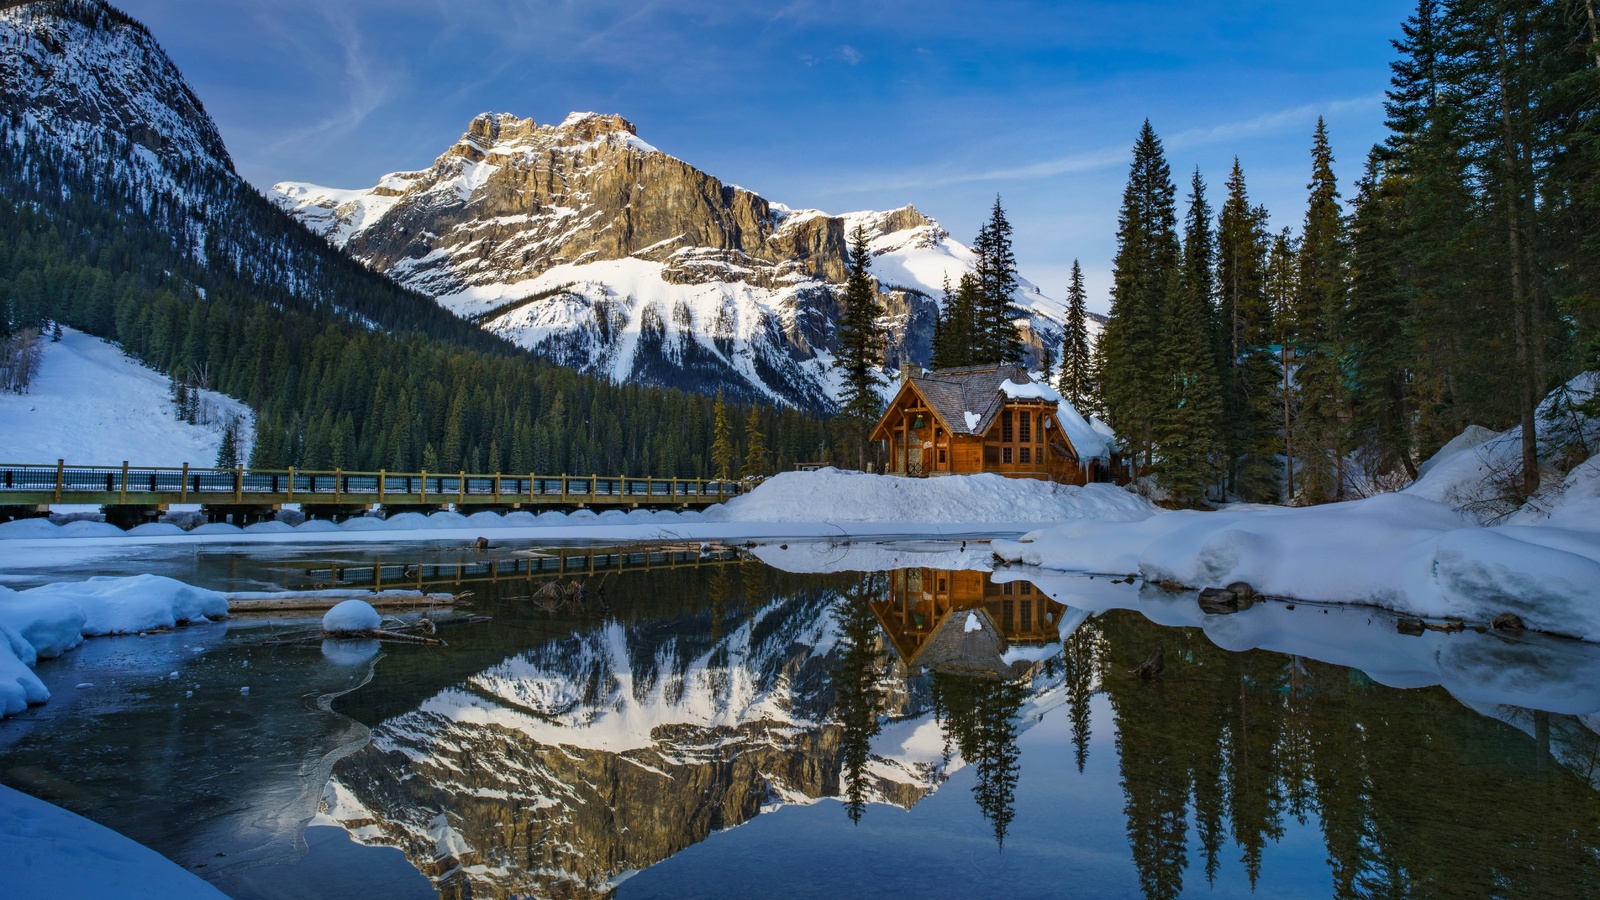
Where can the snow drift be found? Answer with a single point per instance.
(47, 621)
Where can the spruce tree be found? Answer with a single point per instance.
(996, 339)
(861, 343)
(228, 452)
(1075, 380)
(1188, 419)
(1280, 284)
(1248, 365)
(1318, 320)
(1147, 254)
(1381, 352)
(755, 446)
(722, 449)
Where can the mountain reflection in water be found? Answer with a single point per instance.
(564, 768)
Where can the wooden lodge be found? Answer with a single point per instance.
(982, 419)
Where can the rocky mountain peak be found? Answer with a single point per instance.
(79, 72)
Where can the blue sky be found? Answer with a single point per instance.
(816, 103)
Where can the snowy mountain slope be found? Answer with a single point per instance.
(590, 246)
(91, 405)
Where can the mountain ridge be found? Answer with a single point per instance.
(590, 246)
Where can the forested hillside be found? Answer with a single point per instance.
(1457, 287)
(108, 228)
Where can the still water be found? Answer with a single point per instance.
(877, 720)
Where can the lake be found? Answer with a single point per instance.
(883, 719)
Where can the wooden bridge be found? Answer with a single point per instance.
(130, 495)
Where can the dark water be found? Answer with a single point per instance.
(911, 731)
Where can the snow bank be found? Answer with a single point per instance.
(54, 853)
(351, 615)
(47, 621)
(1396, 551)
(92, 405)
(830, 495)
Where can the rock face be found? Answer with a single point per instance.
(585, 243)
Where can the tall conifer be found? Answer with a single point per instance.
(1147, 254)
(861, 343)
(1075, 381)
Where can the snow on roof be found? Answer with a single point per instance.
(1029, 390)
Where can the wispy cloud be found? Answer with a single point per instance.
(365, 86)
(1109, 157)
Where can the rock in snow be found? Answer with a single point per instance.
(351, 615)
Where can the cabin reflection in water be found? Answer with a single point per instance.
(963, 623)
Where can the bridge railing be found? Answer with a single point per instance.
(192, 484)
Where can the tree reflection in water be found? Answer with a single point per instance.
(858, 694)
(979, 716)
(1415, 794)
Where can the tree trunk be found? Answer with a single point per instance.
(1288, 433)
(1520, 324)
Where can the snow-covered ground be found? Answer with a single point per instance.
(47, 621)
(93, 405)
(1448, 546)
(54, 853)
(827, 503)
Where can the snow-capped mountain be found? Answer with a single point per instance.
(592, 247)
(91, 108)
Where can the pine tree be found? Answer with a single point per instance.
(722, 449)
(861, 343)
(1249, 370)
(1280, 284)
(755, 446)
(1075, 381)
(1318, 319)
(55, 332)
(995, 332)
(228, 452)
(1147, 254)
(1187, 423)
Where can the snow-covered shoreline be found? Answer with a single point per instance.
(794, 504)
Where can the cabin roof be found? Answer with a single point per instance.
(953, 393)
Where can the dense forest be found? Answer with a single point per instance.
(1458, 287)
(343, 368)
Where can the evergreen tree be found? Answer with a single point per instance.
(722, 450)
(755, 446)
(1249, 369)
(55, 332)
(861, 343)
(995, 337)
(1318, 317)
(1381, 350)
(1147, 254)
(1187, 423)
(228, 452)
(1075, 381)
(1280, 284)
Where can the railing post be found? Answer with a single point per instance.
(461, 487)
(422, 496)
(650, 488)
(122, 493)
(238, 484)
(380, 486)
(183, 487)
(531, 485)
(291, 484)
(497, 489)
(563, 490)
(61, 475)
(338, 482)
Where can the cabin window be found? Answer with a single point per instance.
(941, 454)
(991, 455)
(1006, 588)
(1026, 430)
(1010, 623)
(1027, 589)
(1027, 453)
(1005, 427)
(941, 585)
(1027, 613)
(1005, 455)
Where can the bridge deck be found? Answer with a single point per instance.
(125, 485)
